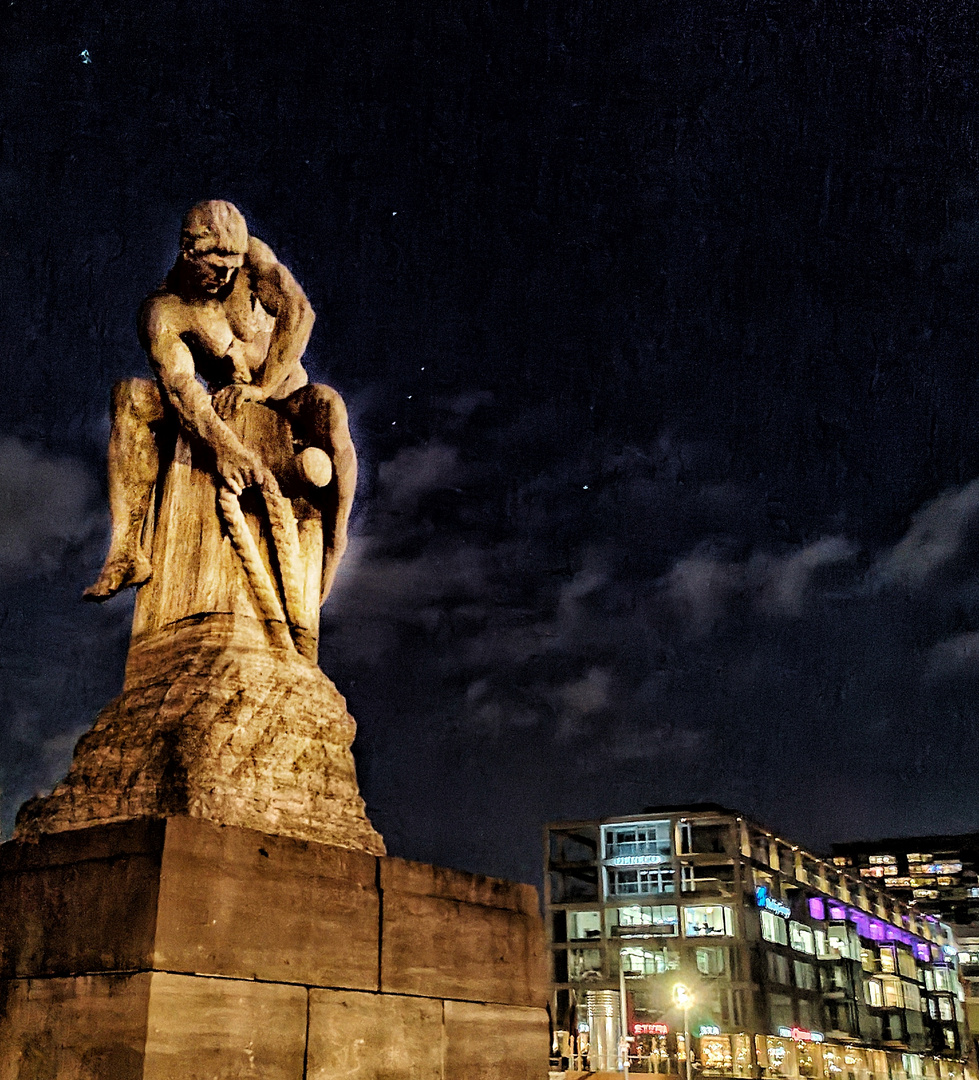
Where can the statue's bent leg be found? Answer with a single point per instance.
(134, 461)
(319, 419)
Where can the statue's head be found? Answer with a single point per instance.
(213, 243)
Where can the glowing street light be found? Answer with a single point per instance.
(683, 998)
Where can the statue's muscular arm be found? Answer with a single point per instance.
(161, 322)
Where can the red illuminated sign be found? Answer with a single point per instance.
(651, 1029)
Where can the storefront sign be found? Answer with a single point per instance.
(651, 1029)
(637, 860)
(769, 903)
(707, 1029)
(800, 1034)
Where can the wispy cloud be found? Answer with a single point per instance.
(45, 505)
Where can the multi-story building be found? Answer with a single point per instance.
(937, 874)
(786, 965)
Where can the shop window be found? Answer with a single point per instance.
(715, 1053)
(705, 921)
(644, 882)
(801, 937)
(873, 993)
(642, 840)
(584, 962)
(773, 928)
(636, 921)
(583, 925)
(712, 960)
(805, 976)
(776, 1053)
(778, 967)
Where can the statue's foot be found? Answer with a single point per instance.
(119, 573)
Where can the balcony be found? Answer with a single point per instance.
(636, 853)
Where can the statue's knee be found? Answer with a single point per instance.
(138, 398)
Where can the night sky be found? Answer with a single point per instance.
(656, 326)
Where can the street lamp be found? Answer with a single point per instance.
(683, 998)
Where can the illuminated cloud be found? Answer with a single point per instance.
(44, 507)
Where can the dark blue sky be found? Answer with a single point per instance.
(656, 325)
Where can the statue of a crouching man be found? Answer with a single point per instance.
(229, 317)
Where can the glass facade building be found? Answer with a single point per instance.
(788, 966)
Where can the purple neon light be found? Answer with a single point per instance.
(876, 930)
(817, 909)
(837, 912)
(921, 951)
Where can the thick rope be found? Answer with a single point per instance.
(285, 536)
(251, 560)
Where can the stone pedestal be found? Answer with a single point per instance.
(215, 723)
(178, 948)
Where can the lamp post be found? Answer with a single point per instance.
(683, 998)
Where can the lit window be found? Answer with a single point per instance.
(708, 921)
(945, 1008)
(873, 993)
(642, 842)
(583, 925)
(773, 928)
(893, 995)
(801, 938)
(640, 961)
(888, 961)
(584, 962)
(840, 945)
(635, 921)
(711, 960)
(642, 882)
(882, 860)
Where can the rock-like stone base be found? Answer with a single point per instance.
(215, 723)
(162, 949)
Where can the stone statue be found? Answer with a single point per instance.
(231, 479)
(231, 317)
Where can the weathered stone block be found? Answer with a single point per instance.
(224, 1029)
(243, 904)
(494, 1042)
(373, 1037)
(490, 928)
(80, 902)
(87, 1028)
(188, 895)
